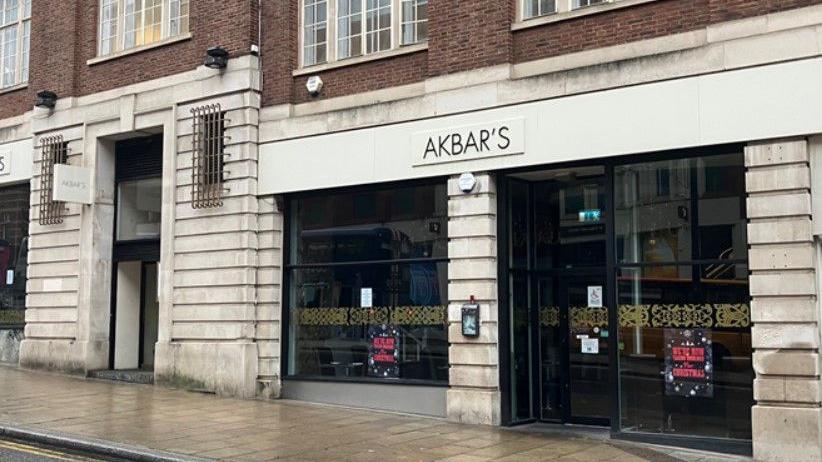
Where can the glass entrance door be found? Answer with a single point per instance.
(560, 333)
(588, 341)
(573, 341)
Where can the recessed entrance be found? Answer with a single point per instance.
(557, 280)
(136, 255)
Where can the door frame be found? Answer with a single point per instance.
(560, 277)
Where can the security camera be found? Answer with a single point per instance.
(314, 85)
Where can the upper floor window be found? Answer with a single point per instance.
(536, 8)
(128, 24)
(15, 29)
(340, 29)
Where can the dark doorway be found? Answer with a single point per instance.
(560, 336)
(138, 207)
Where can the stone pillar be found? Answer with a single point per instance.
(474, 396)
(786, 419)
(269, 296)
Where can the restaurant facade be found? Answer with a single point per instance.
(622, 236)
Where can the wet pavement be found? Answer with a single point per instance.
(207, 426)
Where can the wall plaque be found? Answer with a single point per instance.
(72, 184)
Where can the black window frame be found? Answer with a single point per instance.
(289, 267)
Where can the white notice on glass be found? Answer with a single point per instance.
(590, 346)
(595, 296)
(366, 297)
(9, 277)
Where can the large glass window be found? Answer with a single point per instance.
(15, 29)
(14, 231)
(368, 279)
(126, 24)
(683, 299)
(340, 29)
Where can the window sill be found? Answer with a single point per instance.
(403, 50)
(573, 14)
(140, 49)
(14, 88)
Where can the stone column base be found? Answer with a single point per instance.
(68, 356)
(789, 434)
(476, 407)
(228, 369)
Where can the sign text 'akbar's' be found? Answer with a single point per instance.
(501, 138)
(5, 168)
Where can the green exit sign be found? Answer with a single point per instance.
(590, 216)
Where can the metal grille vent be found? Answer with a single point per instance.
(208, 157)
(53, 150)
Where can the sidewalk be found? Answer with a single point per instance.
(206, 426)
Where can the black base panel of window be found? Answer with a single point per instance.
(366, 381)
(726, 446)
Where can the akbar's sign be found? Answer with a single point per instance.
(501, 138)
(72, 184)
(5, 163)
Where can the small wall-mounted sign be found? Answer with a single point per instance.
(471, 319)
(9, 277)
(72, 184)
(366, 297)
(595, 296)
(589, 346)
(5, 163)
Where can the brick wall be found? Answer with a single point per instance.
(655, 19)
(64, 38)
(469, 34)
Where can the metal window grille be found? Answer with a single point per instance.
(208, 157)
(53, 150)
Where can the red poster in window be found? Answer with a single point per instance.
(383, 352)
(688, 363)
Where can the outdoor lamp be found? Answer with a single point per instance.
(46, 99)
(216, 58)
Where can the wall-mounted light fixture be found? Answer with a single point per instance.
(46, 99)
(216, 58)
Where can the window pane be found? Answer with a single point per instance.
(681, 210)
(11, 12)
(332, 334)
(530, 8)
(9, 64)
(569, 221)
(653, 206)
(314, 32)
(24, 72)
(138, 209)
(685, 350)
(399, 223)
(721, 186)
(14, 208)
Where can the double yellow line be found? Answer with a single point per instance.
(54, 455)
